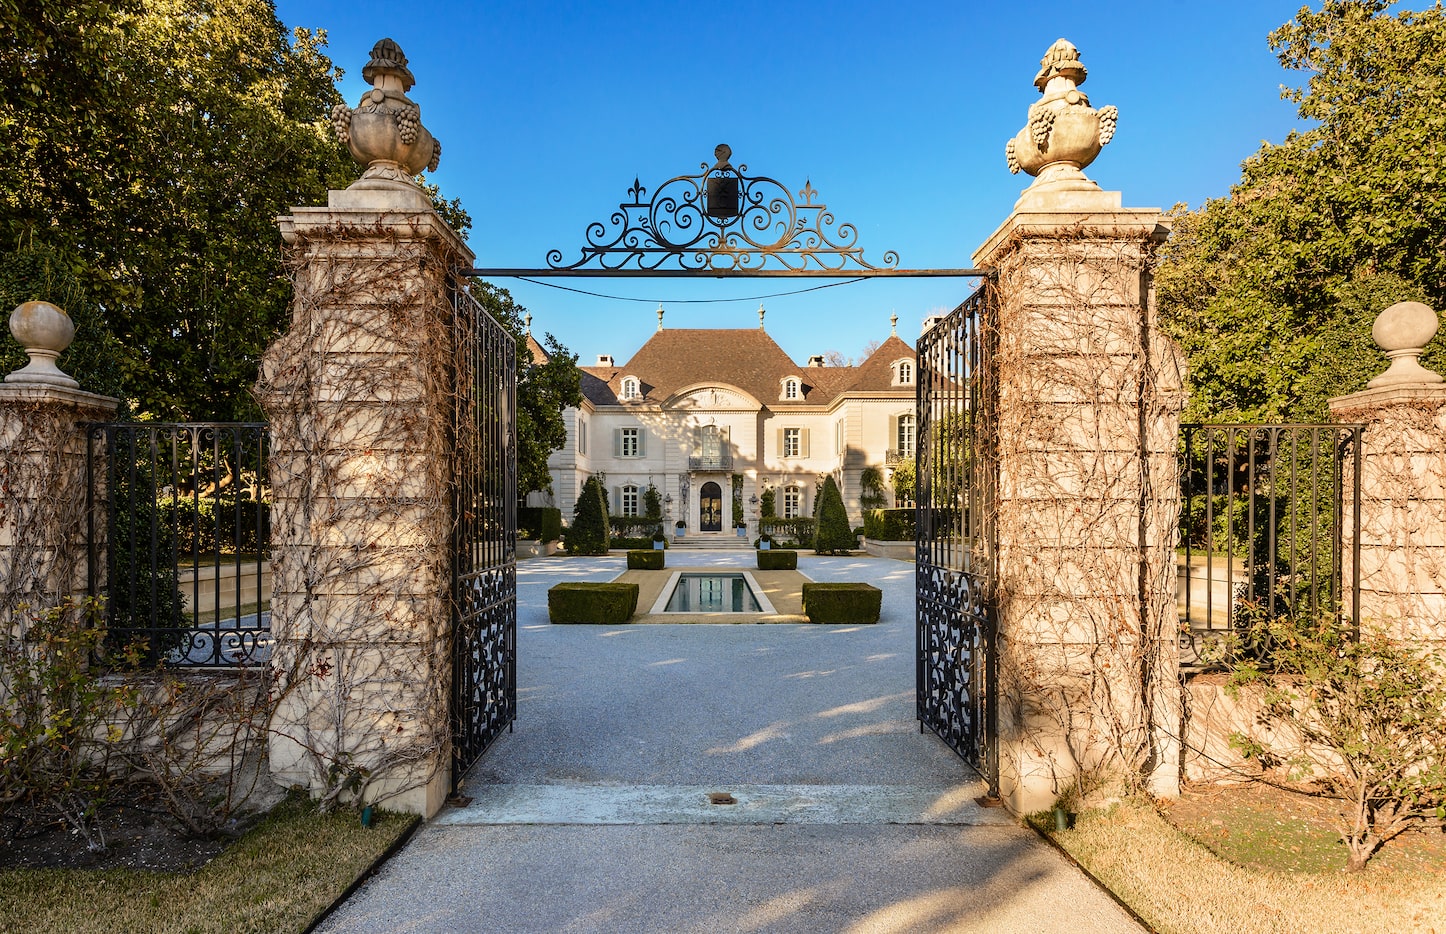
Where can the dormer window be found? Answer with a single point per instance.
(630, 388)
(904, 373)
(792, 388)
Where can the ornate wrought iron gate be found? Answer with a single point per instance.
(957, 473)
(484, 563)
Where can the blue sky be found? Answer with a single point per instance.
(897, 113)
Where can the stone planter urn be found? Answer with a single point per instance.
(384, 131)
(1063, 133)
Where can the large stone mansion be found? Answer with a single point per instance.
(693, 408)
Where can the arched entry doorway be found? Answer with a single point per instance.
(710, 508)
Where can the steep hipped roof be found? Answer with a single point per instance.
(675, 358)
(877, 371)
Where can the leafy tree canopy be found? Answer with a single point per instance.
(148, 146)
(544, 389)
(1272, 290)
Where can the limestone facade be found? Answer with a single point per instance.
(695, 407)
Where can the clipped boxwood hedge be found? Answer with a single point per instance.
(889, 525)
(842, 603)
(648, 560)
(607, 603)
(782, 560)
(541, 523)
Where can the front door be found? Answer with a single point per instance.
(710, 508)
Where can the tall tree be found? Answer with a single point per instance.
(151, 144)
(1272, 290)
(544, 389)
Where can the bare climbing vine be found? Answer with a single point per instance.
(1089, 398)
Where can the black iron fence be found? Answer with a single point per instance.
(1266, 512)
(179, 533)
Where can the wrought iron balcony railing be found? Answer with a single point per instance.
(711, 462)
(894, 456)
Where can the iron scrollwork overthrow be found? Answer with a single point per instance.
(722, 220)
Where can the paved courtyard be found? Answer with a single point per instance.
(594, 814)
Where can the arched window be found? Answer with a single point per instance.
(630, 500)
(906, 372)
(906, 436)
(791, 389)
(630, 387)
(792, 502)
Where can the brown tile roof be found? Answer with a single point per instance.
(748, 358)
(875, 373)
(539, 355)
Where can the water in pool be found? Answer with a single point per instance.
(712, 593)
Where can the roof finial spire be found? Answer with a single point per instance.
(527, 321)
(894, 324)
(660, 316)
(761, 313)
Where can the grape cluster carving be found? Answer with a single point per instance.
(409, 121)
(341, 122)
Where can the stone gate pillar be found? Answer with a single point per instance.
(43, 496)
(359, 396)
(1402, 486)
(1088, 420)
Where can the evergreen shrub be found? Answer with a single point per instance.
(539, 523)
(606, 603)
(777, 560)
(645, 560)
(834, 535)
(842, 603)
(889, 525)
(588, 534)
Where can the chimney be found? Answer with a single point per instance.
(604, 359)
(816, 360)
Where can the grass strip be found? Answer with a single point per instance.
(1178, 886)
(277, 878)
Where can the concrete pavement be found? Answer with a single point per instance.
(595, 815)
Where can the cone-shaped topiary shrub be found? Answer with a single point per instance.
(589, 532)
(834, 536)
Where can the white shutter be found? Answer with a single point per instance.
(642, 447)
(803, 442)
(617, 442)
(782, 451)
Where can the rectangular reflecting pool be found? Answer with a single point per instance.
(712, 592)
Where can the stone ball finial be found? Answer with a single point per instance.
(45, 331)
(384, 131)
(1063, 133)
(1403, 331)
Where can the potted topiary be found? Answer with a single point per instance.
(659, 541)
(742, 528)
(679, 528)
(765, 542)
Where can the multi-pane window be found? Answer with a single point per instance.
(793, 442)
(792, 502)
(630, 500)
(630, 387)
(790, 389)
(906, 372)
(629, 445)
(906, 436)
(581, 435)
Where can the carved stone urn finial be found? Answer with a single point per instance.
(1063, 133)
(384, 131)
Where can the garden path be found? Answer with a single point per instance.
(594, 816)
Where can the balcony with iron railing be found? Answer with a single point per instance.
(717, 461)
(893, 457)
